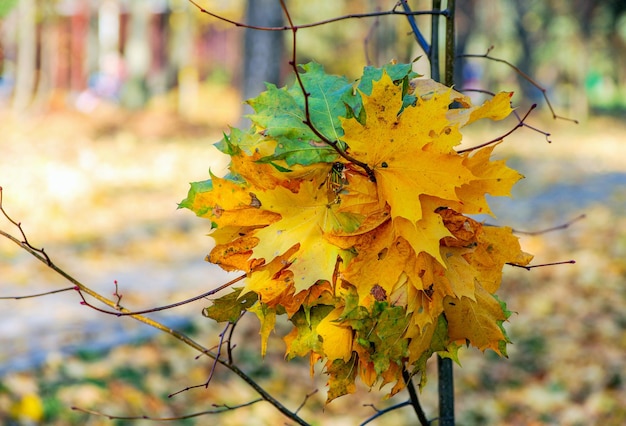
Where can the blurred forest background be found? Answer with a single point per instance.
(78, 53)
(108, 108)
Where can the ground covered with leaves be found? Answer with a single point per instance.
(116, 207)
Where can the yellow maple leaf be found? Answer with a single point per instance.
(460, 274)
(271, 280)
(493, 178)
(304, 216)
(476, 321)
(267, 317)
(496, 108)
(235, 254)
(410, 153)
(496, 247)
(336, 339)
(230, 203)
(425, 234)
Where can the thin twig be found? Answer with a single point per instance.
(306, 398)
(213, 366)
(28, 296)
(82, 288)
(393, 11)
(379, 413)
(498, 139)
(554, 228)
(120, 313)
(219, 409)
(370, 34)
(25, 241)
(524, 76)
(529, 267)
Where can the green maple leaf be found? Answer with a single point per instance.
(281, 113)
(303, 338)
(327, 97)
(341, 378)
(229, 307)
(390, 346)
(401, 74)
(195, 189)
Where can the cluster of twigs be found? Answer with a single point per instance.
(222, 353)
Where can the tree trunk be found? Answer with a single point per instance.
(263, 50)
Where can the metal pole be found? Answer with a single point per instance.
(444, 365)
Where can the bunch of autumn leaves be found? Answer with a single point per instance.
(376, 267)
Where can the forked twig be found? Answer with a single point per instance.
(119, 313)
(524, 76)
(82, 288)
(24, 242)
(515, 113)
(498, 139)
(379, 413)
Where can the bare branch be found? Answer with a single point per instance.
(554, 228)
(385, 411)
(219, 410)
(529, 267)
(306, 398)
(24, 241)
(419, 412)
(118, 312)
(498, 139)
(213, 365)
(28, 296)
(82, 288)
(524, 76)
(393, 11)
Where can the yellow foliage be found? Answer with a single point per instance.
(371, 255)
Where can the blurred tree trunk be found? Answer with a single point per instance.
(26, 55)
(182, 68)
(137, 56)
(263, 50)
(48, 57)
(529, 42)
(465, 20)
